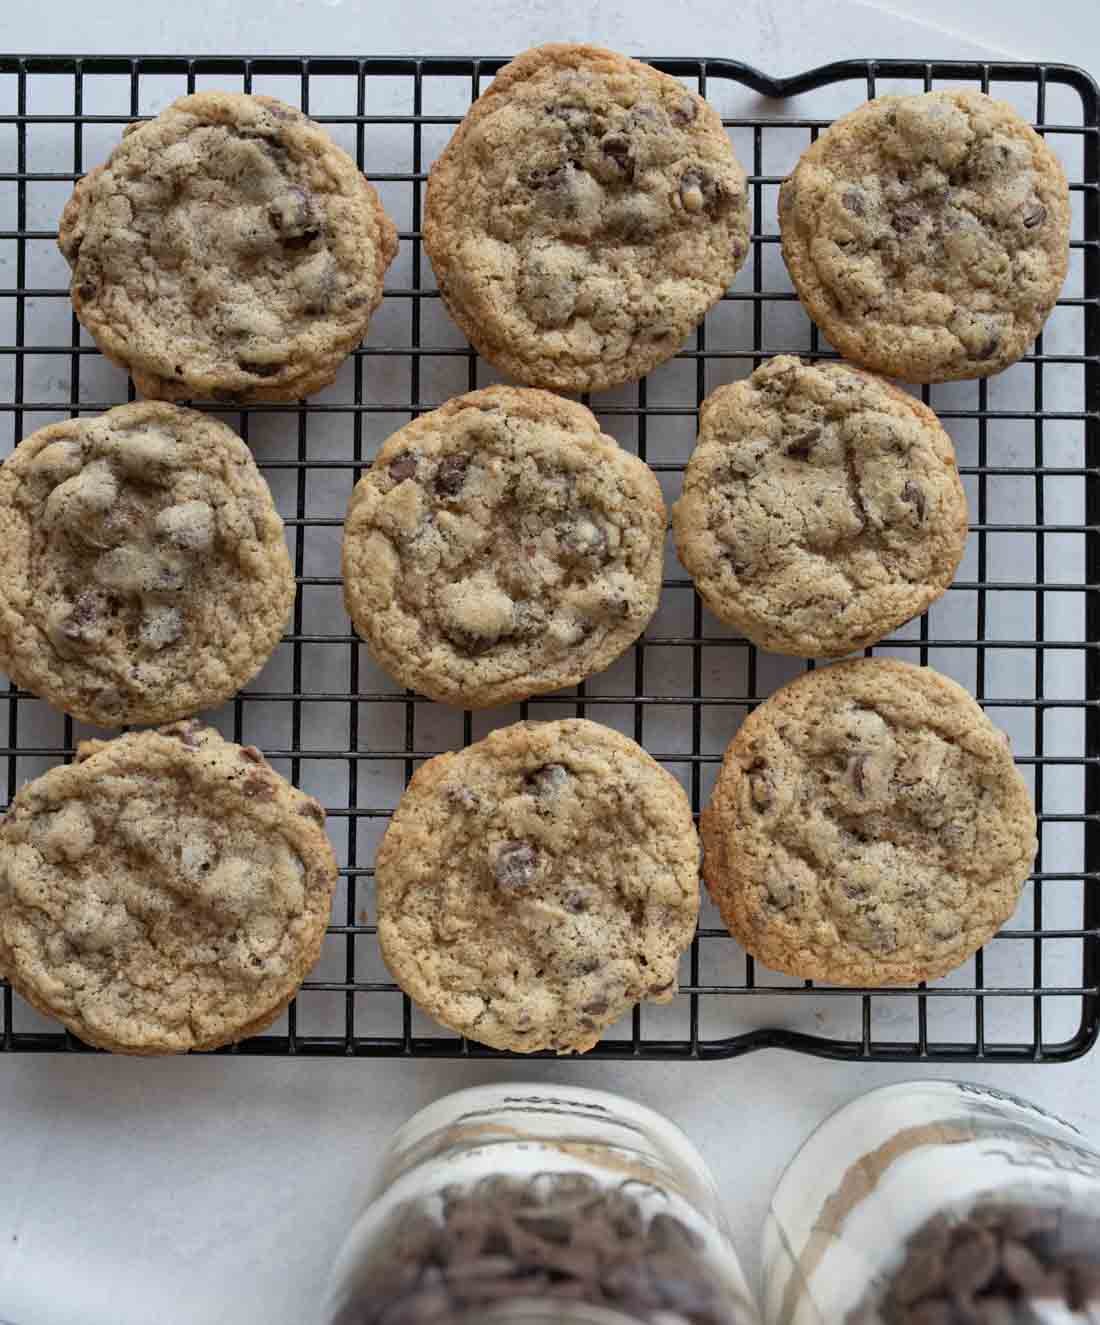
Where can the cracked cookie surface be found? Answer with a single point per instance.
(147, 574)
(168, 891)
(502, 546)
(535, 886)
(583, 218)
(821, 508)
(928, 235)
(868, 827)
(227, 249)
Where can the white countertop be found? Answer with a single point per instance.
(195, 1191)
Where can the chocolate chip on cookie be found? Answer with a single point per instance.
(548, 780)
(515, 865)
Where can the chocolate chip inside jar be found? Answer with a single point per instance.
(560, 1239)
(1002, 1263)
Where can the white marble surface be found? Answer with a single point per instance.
(216, 1190)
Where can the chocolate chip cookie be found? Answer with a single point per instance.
(868, 827)
(502, 546)
(168, 891)
(536, 885)
(583, 218)
(147, 575)
(928, 236)
(227, 249)
(821, 508)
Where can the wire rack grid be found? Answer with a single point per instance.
(1019, 627)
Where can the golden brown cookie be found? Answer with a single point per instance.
(821, 508)
(583, 218)
(147, 574)
(534, 886)
(227, 249)
(168, 891)
(928, 235)
(502, 546)
(868, 827)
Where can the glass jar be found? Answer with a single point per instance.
(935, 1202)
(540, 1204)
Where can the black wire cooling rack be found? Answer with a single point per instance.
(1019, 627)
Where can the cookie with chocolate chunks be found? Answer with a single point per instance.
(535, 886)
(168, 891)
(928, 235)
(821, 508)
(502, 546)
(583, 218)
(868, 827)
(227, 249)
(147, 574)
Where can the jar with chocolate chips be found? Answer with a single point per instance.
(527, 1203)
(936, 1203)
